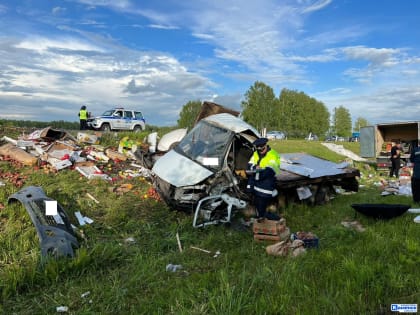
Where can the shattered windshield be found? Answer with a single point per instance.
(206, 144)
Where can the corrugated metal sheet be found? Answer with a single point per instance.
(310, 166)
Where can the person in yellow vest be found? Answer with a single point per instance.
(264, 165)
(83, 116)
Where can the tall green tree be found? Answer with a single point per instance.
(259, 107)
(359, 123)
(188, 114)
(342, 121)
(301, 114)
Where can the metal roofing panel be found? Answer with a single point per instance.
(310, 166)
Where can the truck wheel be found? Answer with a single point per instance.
(137, 128)
(105, 127)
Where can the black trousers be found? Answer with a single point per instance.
(83, 124)
(395, 168)
(261, 204)
(415, 189)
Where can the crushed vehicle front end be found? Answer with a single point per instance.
(209, 161)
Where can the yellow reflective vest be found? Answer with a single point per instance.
(83, 114)
(263, 183)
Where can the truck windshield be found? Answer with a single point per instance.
(206, 144)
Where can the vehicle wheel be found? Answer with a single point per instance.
(137, 128)
(106, 127)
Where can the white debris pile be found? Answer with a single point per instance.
(338, 148)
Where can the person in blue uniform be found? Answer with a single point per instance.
(264, 165)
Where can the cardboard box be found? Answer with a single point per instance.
(18, 154)
(269, 227)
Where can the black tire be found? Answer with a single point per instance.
(106, 127)
(137, 128)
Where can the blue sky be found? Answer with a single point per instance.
(155, 56)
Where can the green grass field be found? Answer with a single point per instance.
(350, 273)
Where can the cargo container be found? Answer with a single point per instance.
(376, 141)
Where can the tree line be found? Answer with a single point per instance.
(57, 124)
(292, 112)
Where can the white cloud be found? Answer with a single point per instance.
(58, 10)
(311, 6)
(71, 73)
(163, 27)
(42, 44)
(115, 4)
(376, 56)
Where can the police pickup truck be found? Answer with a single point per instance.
(118, 119)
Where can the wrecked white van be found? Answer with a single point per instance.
(206, 172)
(210, 160)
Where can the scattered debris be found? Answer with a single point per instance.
(339, 148)
(88, 138)
(216, 254)
(173, 268)
(121, 189)
(310, 240)
(130, 240)
(16, 179)
(286, 248)
(93, 198)
(55, 150)
(200, 249)
(91, 171)
(353, 225)
(62, 309)
(179, 242)
(82, 219)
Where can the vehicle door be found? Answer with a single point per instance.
(127, 120)
(117, 119)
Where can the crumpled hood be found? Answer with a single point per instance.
(179, 171)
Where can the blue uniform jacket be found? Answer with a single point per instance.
(263, 182)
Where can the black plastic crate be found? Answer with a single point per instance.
(312, 242)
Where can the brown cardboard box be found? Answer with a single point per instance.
(269, 227)
(114, 155)
(18, 154)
